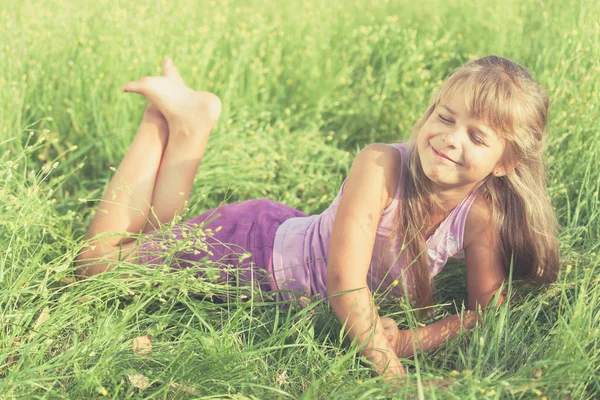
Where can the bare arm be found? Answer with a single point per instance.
(365, 196)
(485, 275)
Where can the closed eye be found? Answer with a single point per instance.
(475, 138)
(445, 120)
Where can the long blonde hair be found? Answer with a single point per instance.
(504, 95)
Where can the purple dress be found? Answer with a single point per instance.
(228, 234)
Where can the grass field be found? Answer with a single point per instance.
(305, 85)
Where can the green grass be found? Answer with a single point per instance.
(304, 86)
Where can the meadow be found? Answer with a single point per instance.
(305, 85)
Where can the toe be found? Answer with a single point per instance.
(170, 71)
(143, 86)
(134, 87)
(167, 62)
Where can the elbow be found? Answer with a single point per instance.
(330, 280)
(82, 264)
(341, 290)
(332, 284)
(88, 264)
(474, 314)
(495, 298)
(336, 284)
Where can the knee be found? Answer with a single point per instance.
(86, 263)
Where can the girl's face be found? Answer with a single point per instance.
(456, 150)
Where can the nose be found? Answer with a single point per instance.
(449, 137)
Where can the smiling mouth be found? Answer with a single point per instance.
(440, 154)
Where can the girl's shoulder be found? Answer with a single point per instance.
(389, 157)
(479, 224)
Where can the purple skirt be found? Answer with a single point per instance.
(238, 237)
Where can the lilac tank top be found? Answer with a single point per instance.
(302, 244)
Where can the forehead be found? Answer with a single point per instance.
(457, 104)
(491, 106)
(458, 107)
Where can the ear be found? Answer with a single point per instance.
(504, 167)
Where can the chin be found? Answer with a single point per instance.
(441, 178)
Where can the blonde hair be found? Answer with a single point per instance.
(504, 95)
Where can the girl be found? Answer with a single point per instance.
(471, 178)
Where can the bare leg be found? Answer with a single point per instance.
(155, 170)
(125, 205)
(191, 116)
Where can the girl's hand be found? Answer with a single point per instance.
(399, 340)
(384, 362)
(387, 365)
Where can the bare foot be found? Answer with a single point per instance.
(168, 71)
(188, 112)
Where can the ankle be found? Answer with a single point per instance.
(185, 130)
(154, 118)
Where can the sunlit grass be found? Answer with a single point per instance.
(304, 86)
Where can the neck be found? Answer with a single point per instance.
(449, 197)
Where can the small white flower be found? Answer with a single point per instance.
(282, 378)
